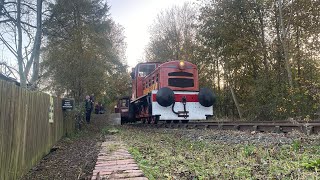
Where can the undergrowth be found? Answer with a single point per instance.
(109, 130)
(312, 165)
(166, 154)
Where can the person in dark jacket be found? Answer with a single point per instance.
(88, 107)
(92, 99)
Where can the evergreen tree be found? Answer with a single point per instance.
(83, 51)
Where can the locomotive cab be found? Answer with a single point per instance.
(138, 74)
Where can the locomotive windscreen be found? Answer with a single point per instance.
(180, 82)
(146, 69)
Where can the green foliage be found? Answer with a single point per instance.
(175, 154)
(248, 150)
(109, 130)
(241, 48)
(152, 172)
(312, 165)
(296, 145)
(85, 49)
(117, 87)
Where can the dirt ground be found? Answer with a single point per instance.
(72, 157)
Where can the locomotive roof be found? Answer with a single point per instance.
(160, 62)
(148, 63)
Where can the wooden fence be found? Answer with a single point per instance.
(26, 134)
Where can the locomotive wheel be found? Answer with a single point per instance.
(122, 120)
(168, 121)
(143, 120)
(156, 119)
(184, 121)
(132, 113)
(149, 119)
(176, 121)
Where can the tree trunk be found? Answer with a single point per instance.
(37, 44)
(298, 52)
(263, 40)
(236, 101)
(219, 88)
(279, 50)
(230, 82)
(284, 43)
(23, 79)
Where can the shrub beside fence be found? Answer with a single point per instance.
(25, 132)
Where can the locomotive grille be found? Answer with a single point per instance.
(180, 74)
(180, 82)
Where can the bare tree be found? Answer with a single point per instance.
(17, 36)
(173, 34)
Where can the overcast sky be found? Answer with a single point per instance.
(136, 16)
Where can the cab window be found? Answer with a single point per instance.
(124, 103)
(146, 69)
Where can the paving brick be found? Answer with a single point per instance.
(137, 178)
(116, 165)
(102, 173)
(128, 175)
(133, 171)
(115, 162)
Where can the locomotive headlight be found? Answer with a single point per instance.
(181, 65)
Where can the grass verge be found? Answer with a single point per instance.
(166, 154)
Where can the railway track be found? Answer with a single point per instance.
(275, 126)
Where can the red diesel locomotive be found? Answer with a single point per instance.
(168, 91)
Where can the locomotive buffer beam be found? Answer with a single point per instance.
(183, 114)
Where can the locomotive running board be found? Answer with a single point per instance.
(139, 98)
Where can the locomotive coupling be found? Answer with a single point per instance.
(206, 97)
(165, 97)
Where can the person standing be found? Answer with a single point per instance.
(92, 101)
(88, 107)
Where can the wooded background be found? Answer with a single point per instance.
(260, 57)
(25, 132)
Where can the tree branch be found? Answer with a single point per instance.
(25, 23)
(24, 4)
(11, 69)
(11, 19)
(11, 49)
(6, 20)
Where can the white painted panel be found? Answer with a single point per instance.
(196, 110)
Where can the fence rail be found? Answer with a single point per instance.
(25, 132)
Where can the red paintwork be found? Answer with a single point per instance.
(162, 70)
(167, 67)
(139, 88)
(178, 97)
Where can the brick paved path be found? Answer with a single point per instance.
(115, 162)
